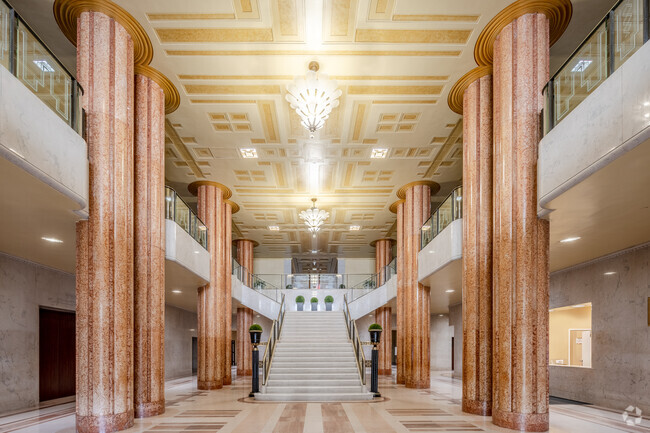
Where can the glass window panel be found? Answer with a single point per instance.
(628, 30)
(570, 336)
(43, 74)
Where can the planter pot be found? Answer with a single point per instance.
(328, 306)
(375, 334)
(256, 337)
(299, 305)
(314, 306)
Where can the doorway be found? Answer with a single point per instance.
(56, 354)
(195, 355)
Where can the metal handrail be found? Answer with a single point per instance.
(455, 195)
(274, 336)
(353, 335)
(204, 241)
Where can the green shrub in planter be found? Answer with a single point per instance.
(328, 303)
(289, 287)
(255, 327)
(314, 299)
(341, 286)
(375, 332)
(300, 301)
(256, 333)
(314, 304)
(329, 299)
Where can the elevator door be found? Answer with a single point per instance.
(56, 354)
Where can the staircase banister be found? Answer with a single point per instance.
(353, 333)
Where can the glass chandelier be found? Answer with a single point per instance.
(314, 217)
(313, 97)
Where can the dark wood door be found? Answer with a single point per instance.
(56, 354)
(195, 355)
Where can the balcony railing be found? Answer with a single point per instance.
(179, 212)
(450, 210)
(29, 59)
(619, 35)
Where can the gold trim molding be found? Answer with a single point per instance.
(172, 97)
(374, 243)
(255, 243)
(393, 207)
(193, 188)
(234, 206)
(66, 13)
(559, 14)
(457, 92)
(434, 186)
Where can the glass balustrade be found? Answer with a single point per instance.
(179, 212)
(27, 57)
(450, 210)
(619, 35)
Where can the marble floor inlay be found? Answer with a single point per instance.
(404, 410)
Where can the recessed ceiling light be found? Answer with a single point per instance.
(441, 315)
(354, 228)
(379, 153)
(313, 269)
(177, 291)
(609, 273)
(196, 252)
(192, 329)
(646, 104)
(314, 251)
(450, 291)
(53, 240)
(248, 152)
(570, 239)
(274, 228)
(646, 115)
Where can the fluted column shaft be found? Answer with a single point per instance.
(477, 247)
(243, 347)
(521, 240)
(401, 301)
(383, 256)
(417, 207)
(149, 271)
(227, 285)
(104, 282)
(210, 357)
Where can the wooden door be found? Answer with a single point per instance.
(57, 356)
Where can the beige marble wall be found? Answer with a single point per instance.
(441, 333)
(180, 327)
(456, 321)
(24, 286)
(620, 373)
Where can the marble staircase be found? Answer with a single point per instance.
(314, 361)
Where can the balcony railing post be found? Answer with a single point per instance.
(73, 104)
(13, 42)
(646, 20)
(611, 43)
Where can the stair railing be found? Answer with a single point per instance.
(353, 335)
(274, 335)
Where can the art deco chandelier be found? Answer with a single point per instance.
(314, 217)
(313, 97)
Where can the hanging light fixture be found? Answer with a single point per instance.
(314, 217)
(313, 97)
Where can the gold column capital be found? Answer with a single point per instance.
(434, 186)
(172, 97)
(393, 207)
(559, 14)
(234, 206)
(66, 13)
(193, 188)
(374, 243)
(457, 92)
(255, 243)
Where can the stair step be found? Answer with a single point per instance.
(315, 397)
(314, 376)
(330, 382)
(312, 370)
(314, 389)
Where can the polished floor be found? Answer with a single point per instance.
(404, 410)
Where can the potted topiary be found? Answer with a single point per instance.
(256, 333)
(375, 332)
(328, 303)
(314, 303)
(300, 301)
(341, 286)
(289, 287)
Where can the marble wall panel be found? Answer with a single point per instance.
(180, 327)
(456, 321)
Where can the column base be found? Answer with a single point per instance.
(400, 380)
(477, 407)
(207, 385)
(418, 385)
(385, 372)
(243, 372)
(104, 423)
(529, 422)
(227, 381)
(152, 408)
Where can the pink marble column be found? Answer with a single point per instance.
(477, 246)
(398, 208)
(383, 256)
(212, 297)
(417, 208)
(243, 347)
(105, 241)
(149, 271)
(228, 209)
(521, 240)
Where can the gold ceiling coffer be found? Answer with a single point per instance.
(434, 187)
(172, 97)
(66, 13)
(559, 14)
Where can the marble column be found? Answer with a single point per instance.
(149, 240)
(243, 347)
(417, 208)
(229, 208)
(211, 297)
(398, 208)
(477, 240)
(104, 282)
(383, 256)
(521, 240)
